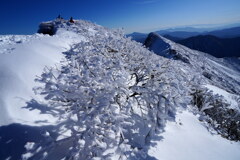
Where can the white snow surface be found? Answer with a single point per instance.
(24, 57)
(231, 99)
(20, 63)
(187, 139)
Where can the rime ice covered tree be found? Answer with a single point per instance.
(112, 94)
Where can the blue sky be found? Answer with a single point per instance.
(23, 16)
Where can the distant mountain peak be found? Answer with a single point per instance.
(160, 46)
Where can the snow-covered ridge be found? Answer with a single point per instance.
(223, 73)
(117, 86)
(22, 58)
(79, 26)
(207, 71)
(113, 97)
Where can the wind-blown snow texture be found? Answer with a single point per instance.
(22, 58)
(110, 97)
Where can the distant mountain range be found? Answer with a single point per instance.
(219, 43)
(183, 33)
(226, 33)
(218, 47)
(139, 37)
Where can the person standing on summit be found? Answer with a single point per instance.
(71, 20)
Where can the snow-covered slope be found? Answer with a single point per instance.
(22, 58)
(219, 71)
(115, 99)
(219, 79)
(215, 75)
(187, 139)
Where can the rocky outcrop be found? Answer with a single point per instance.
(47, 28)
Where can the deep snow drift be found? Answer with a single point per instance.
(110, 98)
(22, 59)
